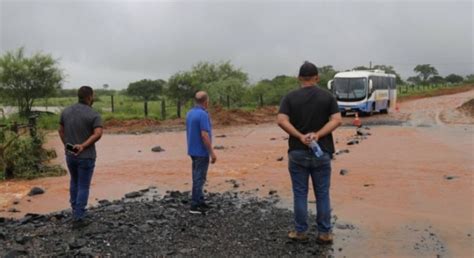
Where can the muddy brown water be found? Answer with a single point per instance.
(396, 192)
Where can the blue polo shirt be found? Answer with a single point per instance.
(197, 120)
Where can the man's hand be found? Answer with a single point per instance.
(79, 148)
(213, 158)
(314, 136)
(305, 139)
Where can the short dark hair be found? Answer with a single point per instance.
(84, 92)
(308, 70)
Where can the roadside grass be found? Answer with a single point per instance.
(409, 92)
(127, 108)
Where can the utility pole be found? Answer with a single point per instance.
(370, 65)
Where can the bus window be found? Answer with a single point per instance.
(350, 88)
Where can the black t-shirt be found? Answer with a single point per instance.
(309, 109)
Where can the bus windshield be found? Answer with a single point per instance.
(350, 88)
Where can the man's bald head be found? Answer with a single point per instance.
(201, 97)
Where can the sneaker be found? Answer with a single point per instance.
(325, 238)
(298, 236)
(205, 206)
(80, 223)
(196, 210)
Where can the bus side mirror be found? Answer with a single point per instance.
(330, 85)
(371, 86)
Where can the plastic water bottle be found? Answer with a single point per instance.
(316, 149)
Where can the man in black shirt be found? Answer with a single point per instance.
(310, 114)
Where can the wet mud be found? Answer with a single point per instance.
(407, 187)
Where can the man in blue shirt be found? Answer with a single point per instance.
(199, 138)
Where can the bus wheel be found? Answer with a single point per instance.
(343, 113)
(371, 112)
(385, 111)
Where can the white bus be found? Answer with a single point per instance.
(364, 91)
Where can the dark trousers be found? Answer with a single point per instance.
(199, 167)
(302, 165)
(81, 171)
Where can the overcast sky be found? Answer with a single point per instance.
(117, 42)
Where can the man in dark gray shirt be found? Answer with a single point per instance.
(80, 128)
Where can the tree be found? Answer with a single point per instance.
(454, 78)
(389, 69)
(414, 80)
(260, 89)
(358, 68)
(25, 79)
(220, 80)
(146, 90)
(181, 88)
(470, 78)
(425, 71)
(326, 73)
(437, 79)
(232, 89)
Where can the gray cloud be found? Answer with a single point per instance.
(117, 42)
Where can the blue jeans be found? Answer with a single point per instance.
(81, 171)
(200, 166)
(303, 164)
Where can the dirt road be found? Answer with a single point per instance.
(408, 192)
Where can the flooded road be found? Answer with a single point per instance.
(408, 192)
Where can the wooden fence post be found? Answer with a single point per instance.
(112, 103)
(163, 109)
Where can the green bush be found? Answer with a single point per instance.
(24, 156)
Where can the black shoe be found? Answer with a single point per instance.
(196, 210)
(80, 223)
(205, 206)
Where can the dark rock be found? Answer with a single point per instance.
(35, 191)
(133, 195)
(116, 208)
(16, 202)
(341, 151)
(352, 142)
(157, 149)
(367, 185)
(145, 228)
(13, 210)
(87, 252)
(272, 192)
(361, 132)
(237, 225)
(221, 136)
(77, 243)
(146, 190)
(17, 252)
(345, 226)
(343, 172)
(469, 235)
(104, 202)
(219, 147)
(280, 159)
(450, 177)
(272, 139)
(21, 239)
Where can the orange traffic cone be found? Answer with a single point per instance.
(357, 121)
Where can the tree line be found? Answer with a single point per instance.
(25, 79)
